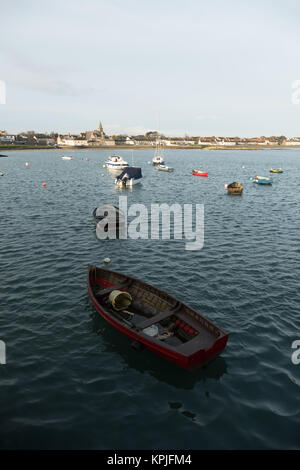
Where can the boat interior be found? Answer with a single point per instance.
(153, 312)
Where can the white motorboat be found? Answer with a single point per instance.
(115, 162)
(158, 160)
(65, 157)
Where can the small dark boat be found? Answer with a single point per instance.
(154, 319)
(130, 176)
(235, 188)
(2, 155)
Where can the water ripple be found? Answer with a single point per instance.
(70, 377)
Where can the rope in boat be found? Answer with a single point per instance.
(165, 335)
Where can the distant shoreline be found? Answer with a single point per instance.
(146, 147)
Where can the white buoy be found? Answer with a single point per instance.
(107, 260)
(27, 164)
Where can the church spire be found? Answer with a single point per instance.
(101, 131)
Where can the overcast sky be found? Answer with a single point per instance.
(184, 66)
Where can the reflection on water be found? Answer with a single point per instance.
(146, 361)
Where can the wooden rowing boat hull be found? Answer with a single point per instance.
(184, 360)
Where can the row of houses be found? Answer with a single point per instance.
(97, 138)
(263, 141)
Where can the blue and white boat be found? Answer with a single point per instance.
(129, 177)
(115, 162)
(262, 180)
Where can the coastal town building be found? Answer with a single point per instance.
(7, 139)
(71, 141)
(207, 141)
(96, 136)
(292, 142)
(46, 141)
(129, 141)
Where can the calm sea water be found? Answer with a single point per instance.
(71, 381)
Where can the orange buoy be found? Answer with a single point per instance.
(86, 159)
(44, 184)
(102, 174)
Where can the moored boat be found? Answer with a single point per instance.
(129, 177)
(66, 157)
(158, 158)
(199, 173)
(1, 174)
(234, 188)
(262, 180)
(1, 155)
(154, 319)
(164, 168)
(276, 170)
(115, 162)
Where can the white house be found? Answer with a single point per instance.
(7, 139)
(129, 141)
(71, 142)
(292, 142)
(200, 142)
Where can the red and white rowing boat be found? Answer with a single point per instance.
(199, 173)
